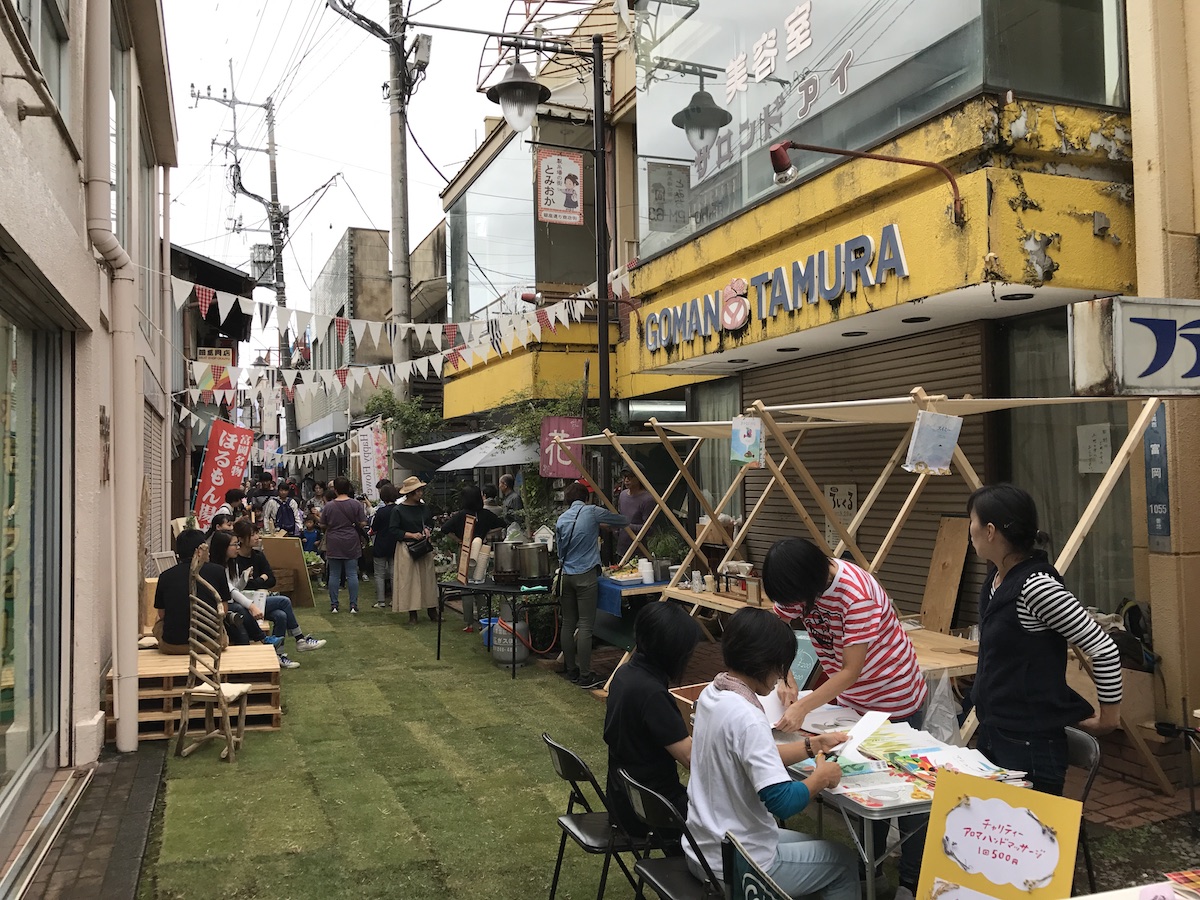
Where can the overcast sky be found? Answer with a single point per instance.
(326, 75)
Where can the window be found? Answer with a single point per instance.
(718, 401)
(118, 133)
(1044, 459)
(148, 240)
(45, 22)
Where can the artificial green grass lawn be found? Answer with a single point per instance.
(394, 775)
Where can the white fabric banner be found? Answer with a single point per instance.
(180, 291)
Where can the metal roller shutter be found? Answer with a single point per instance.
(943, 362)
(154, 472)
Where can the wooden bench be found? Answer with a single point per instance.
(161, 679)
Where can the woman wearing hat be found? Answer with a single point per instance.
(414, 584)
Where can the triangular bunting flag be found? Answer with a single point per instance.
(246, 305)
(290, 376)
(359, 328)
(341, 327)
(225, 304)
(341, 375)
(375, 330)
(544, 321)
(535, 331)
(199, 370)
(559, 312)
(450, 330)
(235, 375)
(183, 413)
(204, 297)
(180, 291)
(356, 377)
(301, 320)
(194, 393)
(206, 396)
(264, 316)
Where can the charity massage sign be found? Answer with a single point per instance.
(553, 462)
(225, 460)
(559, 187)
(988, 839)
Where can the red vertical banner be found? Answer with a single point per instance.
(225, 459)
(554, 463)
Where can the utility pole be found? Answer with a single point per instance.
(276, 216)
(399, 93)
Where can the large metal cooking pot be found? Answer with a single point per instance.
(504, 556)
(533, 560)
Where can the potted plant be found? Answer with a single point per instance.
(667, 548)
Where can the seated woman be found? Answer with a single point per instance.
(740, 782)
(251, 570)
(223, 546)
(172, 595)
(644, 730)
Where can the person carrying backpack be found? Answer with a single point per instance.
(283, 514)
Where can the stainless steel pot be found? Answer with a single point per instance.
(504, 556)
(533, 560)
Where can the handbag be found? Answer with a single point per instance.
(419, 548)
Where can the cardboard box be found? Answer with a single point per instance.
(285, 581)
(685, 699)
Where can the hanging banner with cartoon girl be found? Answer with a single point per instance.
(559, 187)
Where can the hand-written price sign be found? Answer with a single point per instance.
(992, 839)
(225, 459)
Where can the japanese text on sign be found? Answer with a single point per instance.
(1005, 844)
(554, 463)
(225, 459)
(560, 187)
(1158, 500)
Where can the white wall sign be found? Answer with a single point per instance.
(1135, 346)
(844, 500)
(1095, 448)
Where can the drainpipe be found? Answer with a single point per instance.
(126, 387)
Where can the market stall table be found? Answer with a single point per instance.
(518, 594)
(613, 592)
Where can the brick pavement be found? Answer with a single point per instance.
(98, 854)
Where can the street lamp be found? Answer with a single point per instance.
(701, 119)
(518, 95)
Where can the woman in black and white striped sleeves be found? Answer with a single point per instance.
(1026, 620)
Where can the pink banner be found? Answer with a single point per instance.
(225, 460)
(553, 462)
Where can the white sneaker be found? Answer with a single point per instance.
(287, 663)
(309, 643)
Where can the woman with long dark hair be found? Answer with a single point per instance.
(1026, 619)
(644, 730)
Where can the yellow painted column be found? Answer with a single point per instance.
(1164, 64)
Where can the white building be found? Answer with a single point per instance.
(87, 138)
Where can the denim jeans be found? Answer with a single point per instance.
(278, 609)
(804, 865)
(383, 574)
(1042, 755)
(338, 568)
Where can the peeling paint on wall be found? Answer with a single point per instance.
(1039, 266)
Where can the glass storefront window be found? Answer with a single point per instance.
(1058, 49)
(31, 519)
(848, 75)
(1043, 449)
(490, 232)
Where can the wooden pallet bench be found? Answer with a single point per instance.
(161, 679)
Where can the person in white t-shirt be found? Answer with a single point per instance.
(740, 782)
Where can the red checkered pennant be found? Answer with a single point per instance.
(218, 372)
(342, 325)
(543, 319)
(205, 296)
(206, 396)
(455, 358)
(451, 332)
(341, 375)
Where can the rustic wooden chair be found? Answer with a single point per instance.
(204, 685)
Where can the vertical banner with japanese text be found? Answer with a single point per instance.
(382, 456)
(553, 462)
(560, 186)
(225, 458)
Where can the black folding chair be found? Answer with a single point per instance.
(744, 877)
(1083, 752)
(669, 876)
(595, 831)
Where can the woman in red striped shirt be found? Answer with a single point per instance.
(869, 660)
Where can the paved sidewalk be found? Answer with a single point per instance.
(98, 854)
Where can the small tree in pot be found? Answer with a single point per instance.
(667, 548)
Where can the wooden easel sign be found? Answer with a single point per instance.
(988, 839)
(464, 550)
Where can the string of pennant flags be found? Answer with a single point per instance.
(500, 333)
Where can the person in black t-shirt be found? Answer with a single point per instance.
(644, 730)
(172, 596)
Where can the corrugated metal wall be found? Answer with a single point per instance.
(154, 471)
(944, 362)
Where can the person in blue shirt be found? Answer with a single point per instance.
(311, 536)
(577, 537)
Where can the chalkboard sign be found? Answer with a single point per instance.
(806, 664)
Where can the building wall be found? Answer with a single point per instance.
(1164, 64)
